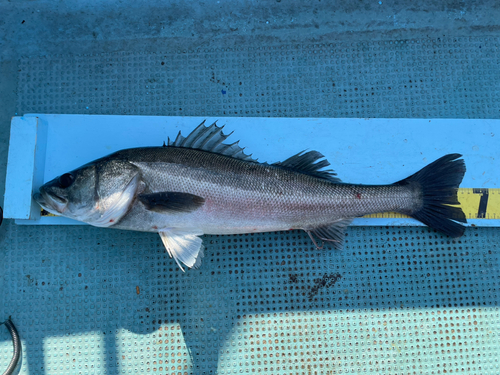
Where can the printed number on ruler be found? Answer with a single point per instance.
(480, 203)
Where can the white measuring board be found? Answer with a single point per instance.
(364, 151)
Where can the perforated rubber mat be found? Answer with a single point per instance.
(396, 300)
(449, 77)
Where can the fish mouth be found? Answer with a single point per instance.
(51, 202)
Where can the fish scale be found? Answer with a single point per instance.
(199, 185)
(264, 197)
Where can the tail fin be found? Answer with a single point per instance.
(439, 182)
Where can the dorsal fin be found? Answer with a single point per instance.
(305, 162)
(210, 138)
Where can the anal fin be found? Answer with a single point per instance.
(334, 233)
(183, 245)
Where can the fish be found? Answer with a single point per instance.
(197, 185)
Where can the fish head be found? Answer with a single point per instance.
(99, 193)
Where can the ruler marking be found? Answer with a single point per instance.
(483, 202)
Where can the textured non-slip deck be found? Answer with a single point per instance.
(394, 301)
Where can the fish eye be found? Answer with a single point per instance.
(66, 180)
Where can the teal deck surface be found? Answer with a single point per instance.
(393, 301)
(396, 300)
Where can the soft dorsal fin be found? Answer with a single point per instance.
(305, 162)
(210, 138)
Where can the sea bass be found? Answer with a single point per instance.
(199, 185)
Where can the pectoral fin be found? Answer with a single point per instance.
(334, 233)
(168, 202)
(184, 246)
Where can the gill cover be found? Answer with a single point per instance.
(116, 185)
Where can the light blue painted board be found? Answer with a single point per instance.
(25, 136)
(368, 151)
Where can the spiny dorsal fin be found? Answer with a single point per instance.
(305, 162)
(210, 138)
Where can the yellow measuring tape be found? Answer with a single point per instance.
(477, 203)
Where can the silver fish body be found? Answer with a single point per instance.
(244, 197)
(199, 185)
